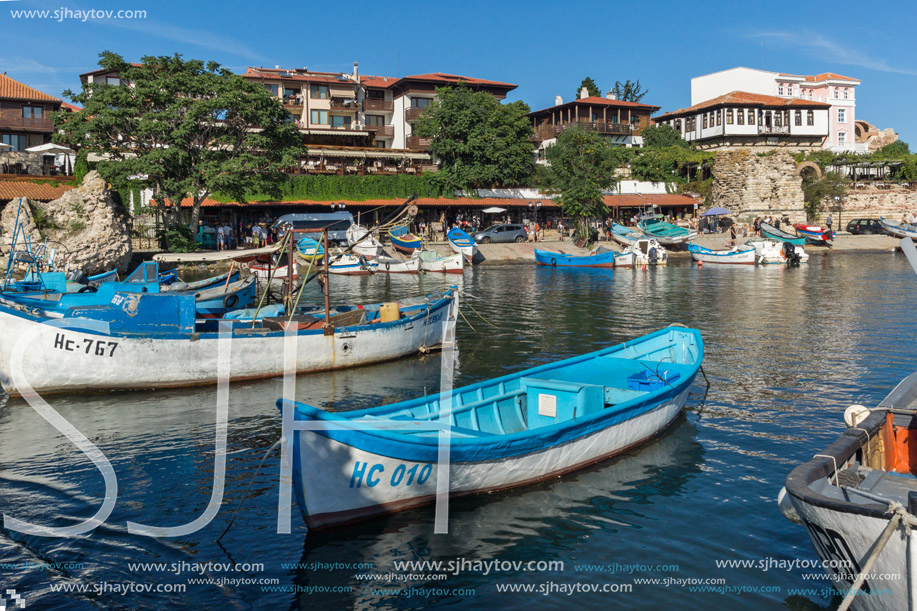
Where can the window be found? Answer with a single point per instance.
(678, 125)
(421, 102)
(291, 93)
(841, 115)
(112, 80)
(342, 122)
(835, 93)
(375, 94)
(777, 119)
(375, 120)
(780, 89)
(751, 116)
(740, 116)
(810, 118)
(728, 116)
(318, 92)
(379, 144)
(846, 90)
(705, 120)
(842, 137)
(32, 112)
(319, 117)
(810, 94)
(797, 118)
(719, 117)
(614, 119)
(274, 90)
(17, 141)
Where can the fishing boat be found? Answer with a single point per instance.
(392, 265)
(666, 233)
(648, 251)
(815, 235)
(559, 259)
(857, 500)
(402, 239)
(625, 236)
(775, 252)
(769, 231)
(276, 267)
(621, 259)
(352, 265)
(506, 432)
(737, 255)
(309, 249)
(462, 243)
(215, 301)
(431, 261)
(155, 340)
(899, 230)
(362, 243)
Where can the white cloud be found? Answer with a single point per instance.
(830, 51)
(198, 38)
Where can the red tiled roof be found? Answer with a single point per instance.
(612, 201)
(14, 90)
(602, 102)
(825, 76)
(378, 81)
(746, 99)
(454, 79)
(38, 191)
(70, 107)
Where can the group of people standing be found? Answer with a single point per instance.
(251, 235)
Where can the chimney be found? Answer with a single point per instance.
(611, 95)
(558, 100)
(276, 66)
(356, 73)
(583, 93)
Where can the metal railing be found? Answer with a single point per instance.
(375, 104)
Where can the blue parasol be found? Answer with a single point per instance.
(718, 211)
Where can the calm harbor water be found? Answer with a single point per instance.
(786, 351)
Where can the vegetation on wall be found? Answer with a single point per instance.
(331, 187)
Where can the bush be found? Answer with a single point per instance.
(177, 238)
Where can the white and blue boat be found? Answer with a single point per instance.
(506, 432)
(558, 259)
(624, 236)
(741, 255)
(666, 233)
(899, 230)
(402, 239)
(462, 243)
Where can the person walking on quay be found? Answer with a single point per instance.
(828, 223)
(732, 234)
(757, 226)
(560, 231)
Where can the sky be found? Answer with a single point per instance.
(546, 48)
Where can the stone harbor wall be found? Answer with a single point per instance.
(93, 230)
(873, 202)
(750, 184)
(29, 161)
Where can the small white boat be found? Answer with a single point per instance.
(737, 255)
(390, 265)
(648, 251)
(857, 500)
(898, 230)
(462, 243)
(431, 261)
(352, 265)
(264, 270)
(621, 259)
(775, 252)
(362, 242)
(624, 236)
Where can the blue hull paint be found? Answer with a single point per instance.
(403, 239)
(556, 259)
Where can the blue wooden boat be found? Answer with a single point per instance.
(624, 236)
(505, 432)
(666, 233)
(402, 239)
(769, 231)
(462, 243)
(557, 259)
(309, 249)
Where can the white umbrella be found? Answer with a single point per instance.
(493, 210)
(50, 148)
(4, 145)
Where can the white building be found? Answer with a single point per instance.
(834, 89)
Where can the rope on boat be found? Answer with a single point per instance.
(875, 550)
(466, 321)
(834, 460)
(302, 286)
(267, 288)
(247, 490)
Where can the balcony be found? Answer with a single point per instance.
(552, 131)
(384, 106)
(774, 130)
(412, 114)
(344, 104)
(293, 101)
(381, 131)
(32, 125)
(416, 142)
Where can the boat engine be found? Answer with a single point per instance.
(76, 275)
(792, 257)
(653, 256)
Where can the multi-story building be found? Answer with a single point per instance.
(739, 119)
(25, 119)
(622, 122)
(833, 89)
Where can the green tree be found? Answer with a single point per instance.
(480, 142)
(583, 165)
(896, 150)
(662, 136)
(183, 128)
(821, 191)
(591, 88)
(628, 91)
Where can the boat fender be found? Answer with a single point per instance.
(553, 262)
(855, 414)
(230, 301)
(388, 266)
(787, 508)
(88, 289)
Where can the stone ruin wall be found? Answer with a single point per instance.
(750, 184)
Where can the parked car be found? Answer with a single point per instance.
(501, 233)
(860, 226)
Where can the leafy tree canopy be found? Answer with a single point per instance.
(662, 136)
(183, 128)
(590, 86)
(896, 150)
(629, 91)
(819, 191)
(480, 142)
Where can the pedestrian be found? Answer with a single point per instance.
(777, 223)
(732, 234)
(560, 230)
(219, 237)
(256, 235)
(757, 226)
(828, 222)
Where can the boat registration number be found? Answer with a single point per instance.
(97, 347)
(401, 475)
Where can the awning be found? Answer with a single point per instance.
(214, 257)
(333, 132)
(493, 210)
(50, 148)
(315, 151)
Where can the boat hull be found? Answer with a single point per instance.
(453, 264)
(350, 265)
(69, 358)
(897, 231)
(462, 243)
(556, 259)
(746, 256)
(623, 235)
(397, 266)
(328, 500)
(666, 233)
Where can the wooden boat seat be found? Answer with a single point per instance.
(455, 430)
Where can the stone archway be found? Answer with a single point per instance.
(808, 165)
